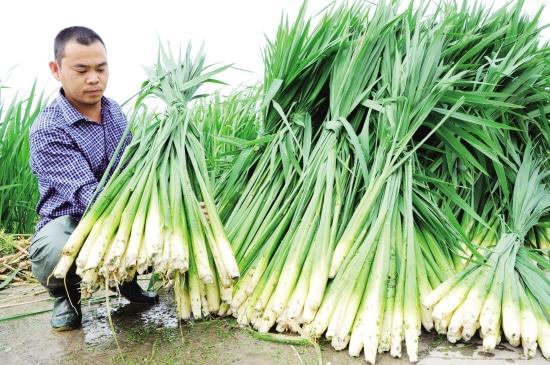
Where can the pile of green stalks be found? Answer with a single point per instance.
(372, 190)
(157, 212)
(18, 186)
(508, 293)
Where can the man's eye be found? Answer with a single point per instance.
(100, 70)
(81, 71)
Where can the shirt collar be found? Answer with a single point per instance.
(72, 115)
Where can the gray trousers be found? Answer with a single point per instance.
(45, 251)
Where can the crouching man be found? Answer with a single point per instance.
(71, 144)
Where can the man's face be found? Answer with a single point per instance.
(83, 72)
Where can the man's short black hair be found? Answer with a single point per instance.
(82, 35)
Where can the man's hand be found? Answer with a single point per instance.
(204, 211)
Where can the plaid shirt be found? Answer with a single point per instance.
(70, 153)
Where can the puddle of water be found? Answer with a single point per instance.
(132, 321)
(162, 314)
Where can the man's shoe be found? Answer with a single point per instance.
(64, 316)
(135, 294)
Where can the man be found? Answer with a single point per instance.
(71, 144)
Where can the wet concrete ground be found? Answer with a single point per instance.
(153, 335)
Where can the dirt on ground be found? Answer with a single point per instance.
(142, 334)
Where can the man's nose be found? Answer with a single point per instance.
(93, 78)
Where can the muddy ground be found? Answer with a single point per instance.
(153, 335)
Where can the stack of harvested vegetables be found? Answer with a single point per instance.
(510, 289)
(423, 106)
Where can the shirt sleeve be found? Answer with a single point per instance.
(60, 165)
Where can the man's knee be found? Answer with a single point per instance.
(47, 246)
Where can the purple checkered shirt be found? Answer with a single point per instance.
(70, 153)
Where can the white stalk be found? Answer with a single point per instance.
(511, 311)
(152, 240)
(447, 305)
(529, 326)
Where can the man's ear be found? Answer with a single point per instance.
(54, 68)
